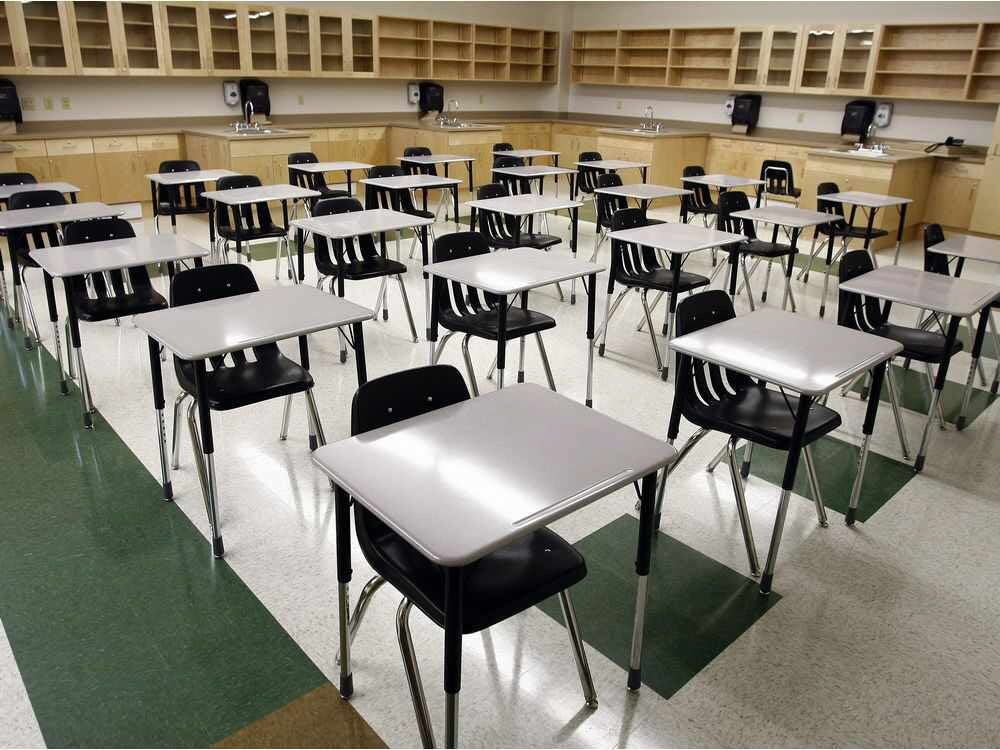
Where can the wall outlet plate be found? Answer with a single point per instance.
(231, 93)
(729, 106)
(413, 93)
(883, 114)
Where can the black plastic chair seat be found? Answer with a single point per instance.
(710, 209)
(762, 249)
(24, 257)
(793, 193)
(367, 268)
(841, 229)
(494, 588)
(249, 234)
(165, 208)
(923, 346)
(485, 324)
(328, 192)
(106, 308)
(539, 241)
(662, 279)
(234, 386)
(420, 213)
(763, 416)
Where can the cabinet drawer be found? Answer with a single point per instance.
(948, 168)
(342, 134)
(471, 139)
(27, 149)
(158, 142)
(371, 134)
(66, 146)
(114, 145)
(319, 136)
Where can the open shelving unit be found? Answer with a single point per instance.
(550, 56)
(701, 58)
(363, 38)
(984, 83)
(927, 61)
(491, 52)
(594, 56)
(643, 56)
(526, 52)
(404, 47)
(183, 45)
(297, 42)
(451, 50)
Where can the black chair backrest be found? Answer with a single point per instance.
(33, 238)
(608, 205)
(731, 202)
(501, 147)
(391, 399)
(307, 180)
(629, 258)
(701, 197)
(252, 215)
(451, 295)
(830, 207)
(376, 197)
(497, 227)
(934, 262)
(514, 185)
(777, 176)
(217, 282)
(350, 250)
(181, 197)
(853, 310)
(102, 230)
(701, 383)
(17, 178)
(586, 179)
(418, 168)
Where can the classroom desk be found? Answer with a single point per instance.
(250, 195)
(432, 160)
(357, 223)
(539, 172)
(643, 193)
(507, 439)
(421, 182)
(945, 295)
(66, 188)
(803, 355)
(529, 205)
(614, 165)
(508, 273)
(26, 218)
(873, 202)
(66, 261)
(176, 179)
(530, 154)
(795, 219)
(218, 327)
(968, 247)
(322, 167)
(678, 241)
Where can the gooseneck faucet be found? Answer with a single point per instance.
(248, 111)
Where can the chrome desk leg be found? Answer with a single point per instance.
(741, 508)
(890, 379)
(468, 365)
(412, 670)
(642, 568)
(361, 608)
(609, 310)
(545, 359)
(814, 486)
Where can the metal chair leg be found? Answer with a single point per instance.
(652, 334)
(746, 283)
(545, 360)
(579, 653)
(175, 441)
(468, 364)
(804, 273)
(406, 307)
(652, 308)
(814, 487)
(70, 355)
(440, 346)
(316, 424)
(520, 359)
(286, 414)
(343, 345)
(741, 507)
(894, 401)
(979, 362)
(609, 310)
(365, 598)
(935, 401)
(996, 348)
(710, 466)
(412, 670)
(789, 295)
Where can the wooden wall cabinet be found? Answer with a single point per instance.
(184, 38)
(12, 58)
(41, 33)
(766, 58)
(228, 39)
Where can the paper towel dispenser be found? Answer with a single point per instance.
(746, 111)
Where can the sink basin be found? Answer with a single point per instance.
(870, 153)
(258, 131)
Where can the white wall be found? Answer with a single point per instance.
(912, 120)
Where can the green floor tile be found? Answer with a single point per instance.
(836, 466)
(915, 395)
(125, 631)
(697, 606)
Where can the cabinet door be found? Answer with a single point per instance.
(72, 160)
(343, 144)
(745, 70)
(46, 38)
(12, 58)
(816, 61)
(153, 150)
(30, 157)
(297, 57)
(781, 52)
(261, 165)
(94, 50)
(224, 40)
(141, 39)
(985, 217)
(854, 67)
(262, 41)
(185, 39)
(118, 169)
(371, 146)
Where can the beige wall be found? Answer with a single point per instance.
(917, 120)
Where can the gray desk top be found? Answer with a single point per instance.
(186, 178)
(436, 159)
(526, 153)
(930, 291)
(866, 200)
(357, 223)
(63, 187)
(523, 205)
(644, 192)
(724, 181)
(264, 193)
(512, 271)
(985, 249)
(803, 354)
(612, 164)
(330, 166)
(496, 467)
(207, 329)
(677, 238)
(93, 257)
(788, 216)
(534, 170)
(36, 217)
(411, 182)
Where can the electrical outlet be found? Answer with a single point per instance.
(47, 104)
(481, 98)
(618, 104)
(801, 117)
(28, 103)
(301, 100)
(67, 103)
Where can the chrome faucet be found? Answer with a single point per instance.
(648, 123)
(248, 112)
